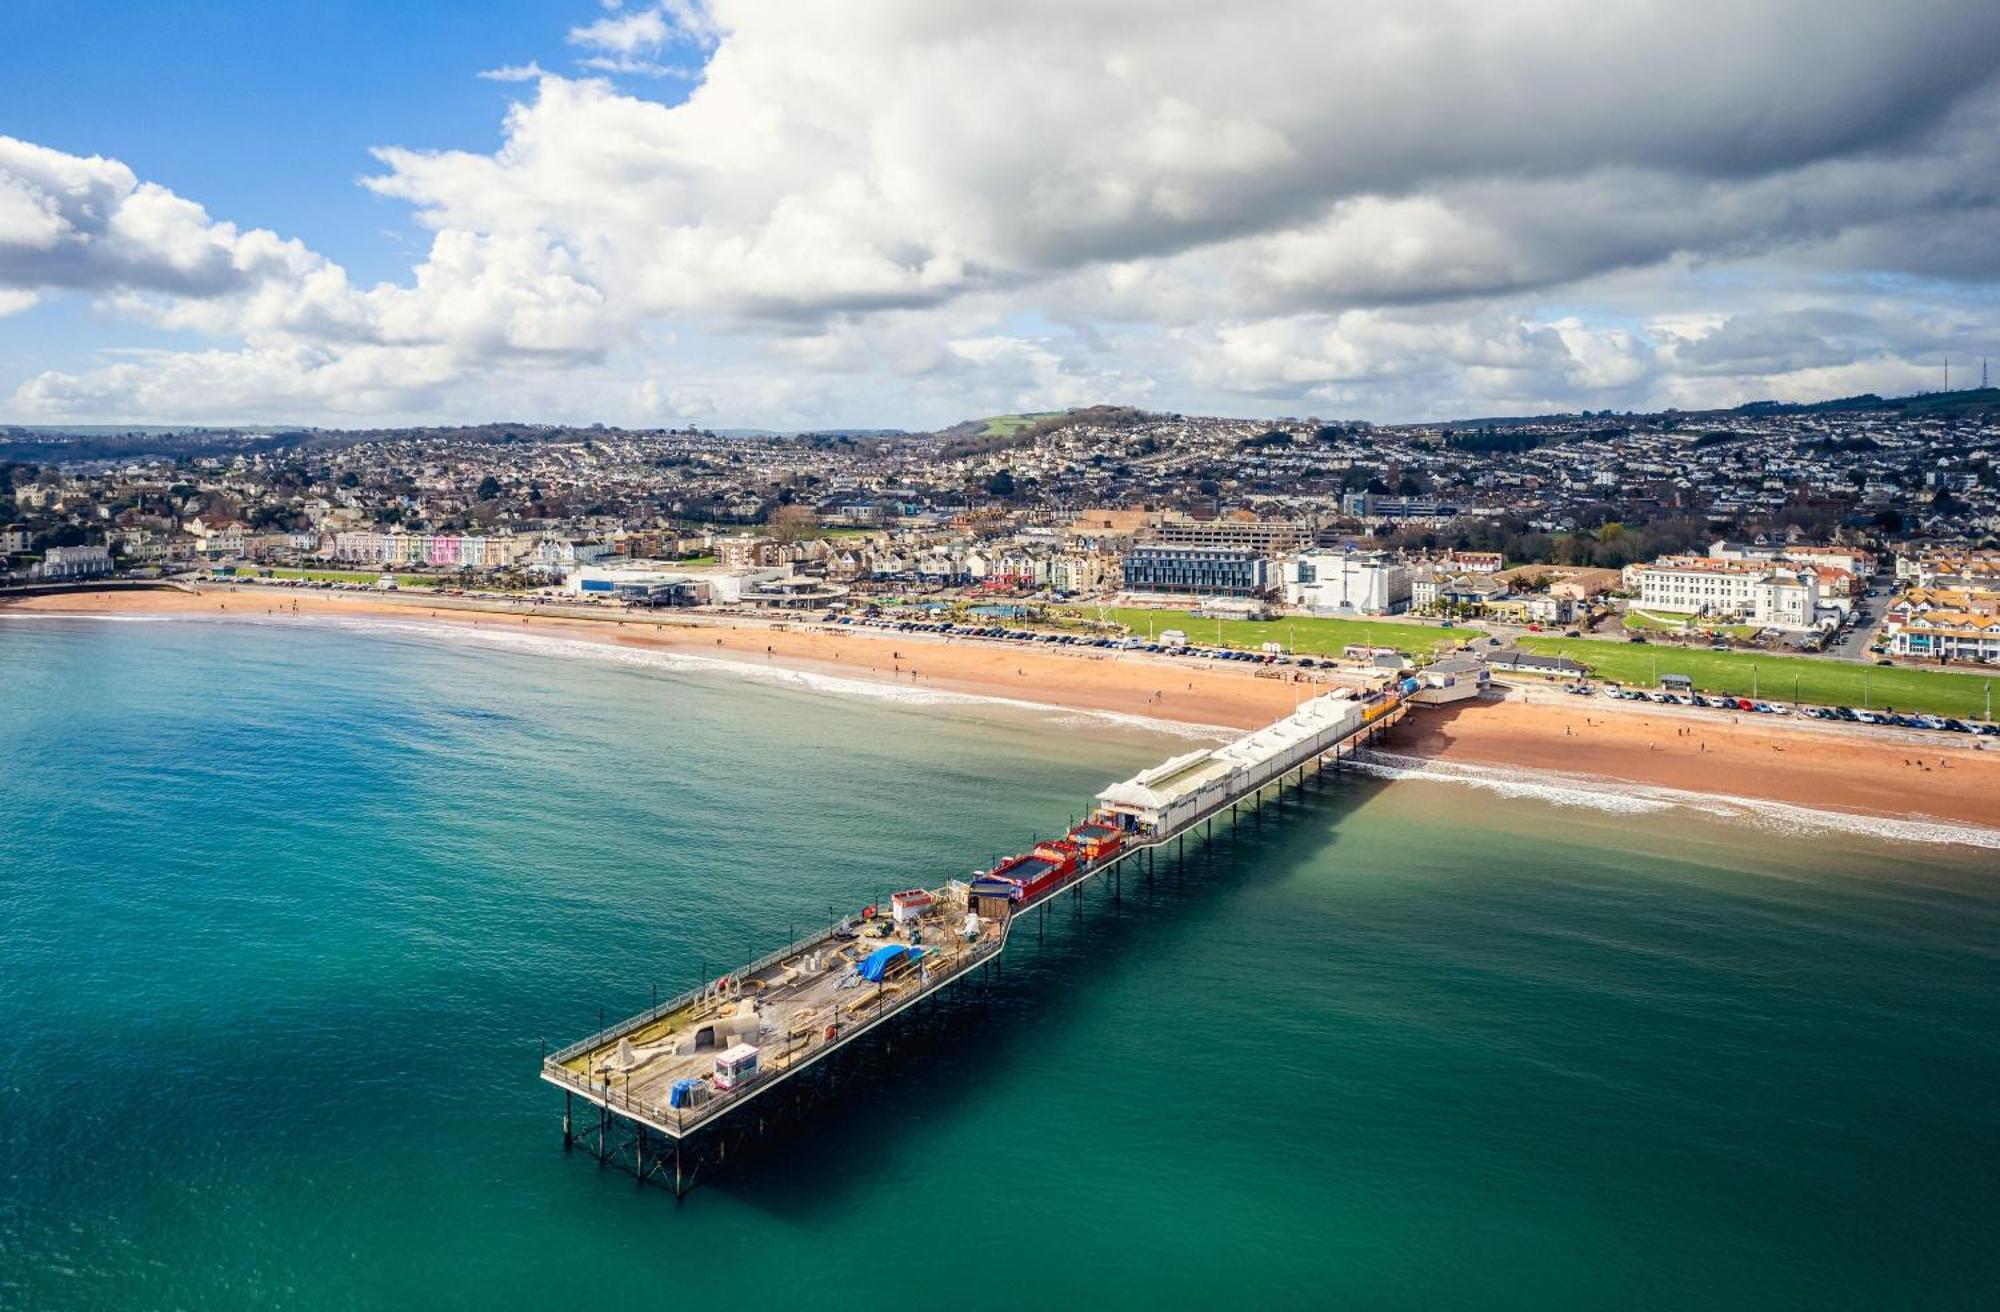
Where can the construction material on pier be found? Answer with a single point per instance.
(687, 1063)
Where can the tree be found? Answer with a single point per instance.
(1001, 485)
(792, 523)
(489, 488)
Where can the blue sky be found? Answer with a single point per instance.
(847, 215)
(264, 112)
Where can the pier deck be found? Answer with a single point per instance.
(805, 1001)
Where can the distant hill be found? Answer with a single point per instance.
(1971, 401)
(1003, 432)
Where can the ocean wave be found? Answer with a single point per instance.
(28, 615)
(1618, 797)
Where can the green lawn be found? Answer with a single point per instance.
(368, 576)
(322, 575)
(1635, 619)
(1007, 425)
(1747, 674)
(1306, 635)
(1738, 673)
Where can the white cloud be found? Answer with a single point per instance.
(1261, 204)
(528, 72)
(639, 32)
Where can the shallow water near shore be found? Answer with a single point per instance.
(285, 916)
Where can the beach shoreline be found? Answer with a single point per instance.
(1742, 757)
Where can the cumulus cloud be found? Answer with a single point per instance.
(1269, 204)
(70, 222)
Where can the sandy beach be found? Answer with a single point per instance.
(1804, 763)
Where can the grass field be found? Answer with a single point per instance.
(1780, 678)
(1740, 674)
(333, 575)
(367, 576)
(1306, 635)
(1007, 425)
(1638, 619)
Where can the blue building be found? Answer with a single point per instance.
(1200, 571)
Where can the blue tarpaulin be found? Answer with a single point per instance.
(683, 1093)
(880, 960)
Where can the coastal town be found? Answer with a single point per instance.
(1866, 534)
(1339, 655)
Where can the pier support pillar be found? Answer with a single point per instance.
(569, 1135)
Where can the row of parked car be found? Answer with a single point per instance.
(1690, 699)
(1005, 634)
(1942, 723)
(1939, 723)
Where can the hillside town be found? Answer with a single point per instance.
(1864, 532)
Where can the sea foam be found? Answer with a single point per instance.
(1617, 796)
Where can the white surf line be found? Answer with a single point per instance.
(543, 644)
(1619, 797)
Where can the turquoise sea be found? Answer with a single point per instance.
(286, 912)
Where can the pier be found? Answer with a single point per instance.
(666, 1093)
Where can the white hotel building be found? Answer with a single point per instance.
(1330, 582)
(1746, 591)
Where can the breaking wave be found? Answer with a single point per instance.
(1619, 797)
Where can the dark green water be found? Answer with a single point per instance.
(284, 917)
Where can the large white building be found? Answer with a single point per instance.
(74, 562)
(1746, 591)
(1364, 582)
(439, 550)
(689, 585)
